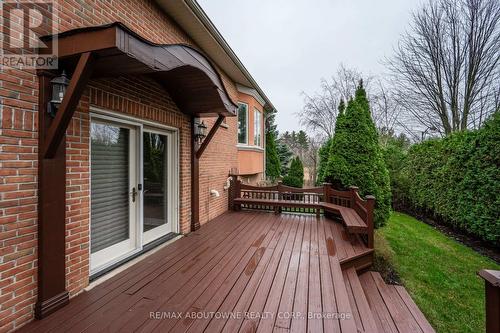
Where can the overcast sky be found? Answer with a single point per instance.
(289, 45)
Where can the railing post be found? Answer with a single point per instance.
(370, 208)
(277, 209)
(326, 191)
(234, 192)
(492, 290)
(326, 197)
(354, 190)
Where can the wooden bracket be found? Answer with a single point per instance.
(195, 171)
(77, 84)
(209, 137)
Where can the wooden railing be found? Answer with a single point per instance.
(282, 198)
(294, 196)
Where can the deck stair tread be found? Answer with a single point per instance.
(362, 313)
(392, 307)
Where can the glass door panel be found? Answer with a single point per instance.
(113, 193)
(156, 185)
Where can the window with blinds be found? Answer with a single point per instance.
(109, 185)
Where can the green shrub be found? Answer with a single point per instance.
(295, 176)
(457, 179)
(395, 153)
(355, 156)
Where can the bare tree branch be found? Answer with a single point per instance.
(445, 70)
(320, 110)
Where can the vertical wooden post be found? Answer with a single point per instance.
(326, 197)
(196, 153)
(278, 209)
(353, 190)
(52, 293)
(326, 192)
(370, 208)
(492, 299)
(234, 192)
(195, 182)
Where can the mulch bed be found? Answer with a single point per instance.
(386, 270)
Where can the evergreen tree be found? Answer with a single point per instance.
(324, 153)
(295, 176)
(284, 155)
(273, 166)
(326, 148)
(356, 158)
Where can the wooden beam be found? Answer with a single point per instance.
(52, 293)
(195, 183)
(209, 137)
(195, 170)
(67, 108)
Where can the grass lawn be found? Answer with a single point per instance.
(438, 272)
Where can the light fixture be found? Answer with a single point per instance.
(200, 130)
(59, 85)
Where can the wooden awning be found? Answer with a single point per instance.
(187, 74)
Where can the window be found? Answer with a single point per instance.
(257, 130)
(243, 123)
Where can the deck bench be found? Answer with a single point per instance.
(355, 213)
(352, 221)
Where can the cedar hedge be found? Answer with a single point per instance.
(457, 180)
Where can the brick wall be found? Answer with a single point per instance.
(18, 201)
(135, 96)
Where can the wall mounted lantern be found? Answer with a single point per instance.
(59, 85)
(200, 130)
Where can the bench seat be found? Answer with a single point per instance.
(352, 221)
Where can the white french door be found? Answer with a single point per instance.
(114, 204)
(133, 188)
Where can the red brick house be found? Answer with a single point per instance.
(149, 127)
(116, 170)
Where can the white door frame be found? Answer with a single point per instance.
(140, 238)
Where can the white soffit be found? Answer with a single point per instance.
(252, 92)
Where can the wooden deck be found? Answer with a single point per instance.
(242, 272)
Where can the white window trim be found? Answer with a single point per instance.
(249, 147)
(257, 111)
(238, 125)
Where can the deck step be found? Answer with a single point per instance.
(362, 313)
(350, 248)
(392, 307)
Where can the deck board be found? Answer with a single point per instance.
(246, 261)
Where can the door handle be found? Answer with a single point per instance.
(134, 194)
